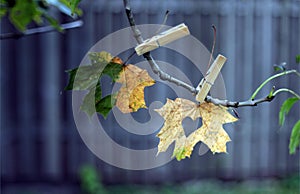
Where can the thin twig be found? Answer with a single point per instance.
(271, 78)
(213, 47)
(286, 90)
(43, 29)
(164, 76)
(163, 23)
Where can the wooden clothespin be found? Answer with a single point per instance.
(211, 75)
(162, 39)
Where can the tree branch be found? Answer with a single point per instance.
(43, 29)
(238, 104)
(155, 67)
(164, 76)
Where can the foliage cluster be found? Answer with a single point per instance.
(23, 12)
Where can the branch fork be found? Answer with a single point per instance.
(206, 83)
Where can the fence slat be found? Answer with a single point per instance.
(266, 30)
(283, 56)
(26, 91)
(247, 70)
(227, 43)
(51, 132)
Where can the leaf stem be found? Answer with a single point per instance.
(271, 78)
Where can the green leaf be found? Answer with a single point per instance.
(3, 8)
(113, 70)
(23, 13)
(271, 92)
(298, 59)
(105, 105)
(3, 12)
(285, 108)
(278, 68)
(73, 5)
(72, 74)
(92, 98)
(100, 58)
(295, 138)
(94, 103)
(88, 78)
(179, 154)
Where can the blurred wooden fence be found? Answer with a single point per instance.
(39, 140)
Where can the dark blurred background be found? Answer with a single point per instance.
(41, 148)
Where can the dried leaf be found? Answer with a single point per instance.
(211, 133)
(131, 95)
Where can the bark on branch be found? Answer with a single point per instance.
(238, 104)
(39, 30)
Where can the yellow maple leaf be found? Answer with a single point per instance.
(131, 95)
(211, 132)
